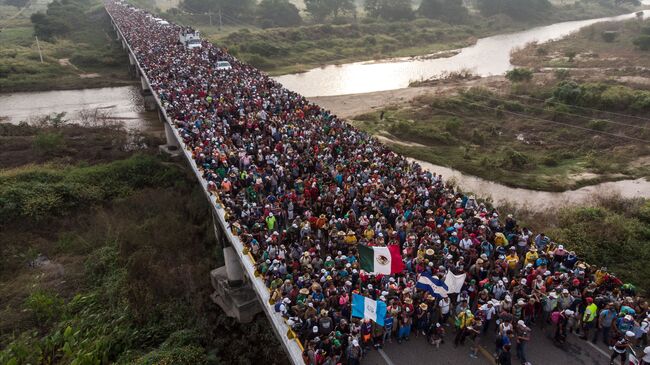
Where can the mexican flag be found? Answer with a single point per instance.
(381, 260)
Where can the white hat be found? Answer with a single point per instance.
(565, 291)
(629, 334)
(521, 323)
(560, 247)
(568, 312)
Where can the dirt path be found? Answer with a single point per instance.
(347, 106)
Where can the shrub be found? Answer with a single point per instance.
(642, 42)
(44, 306)
(519, 75)
(570, 54)
(48, 143)
(609, 36)
(597, 124)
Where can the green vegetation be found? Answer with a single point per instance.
(278, 13)
(616, 48)
(519, 75)
(77, 48)
(109, 261)
(520, 139)
(283, 50)
(610, 231)
(601, 95)
(391, 10)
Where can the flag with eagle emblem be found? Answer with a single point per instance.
(381, 260)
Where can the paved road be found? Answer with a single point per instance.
(541, 351)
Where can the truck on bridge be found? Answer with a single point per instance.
(189, 38)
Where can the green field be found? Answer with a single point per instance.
(86, 56)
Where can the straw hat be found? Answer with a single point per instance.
(424, 306)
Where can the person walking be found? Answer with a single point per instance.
(604, 325)
(589, 318)
(522, 338)
(621, 347)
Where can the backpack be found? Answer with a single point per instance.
(555, 317)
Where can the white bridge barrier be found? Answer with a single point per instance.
(284, 333)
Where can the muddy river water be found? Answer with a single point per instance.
(489, 56)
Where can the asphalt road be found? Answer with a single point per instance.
(541, 351)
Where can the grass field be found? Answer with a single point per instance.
(514, 140)
(87, 57)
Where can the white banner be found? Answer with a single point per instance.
(454, 282)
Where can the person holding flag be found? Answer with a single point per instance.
(432, 285)
(385, 260)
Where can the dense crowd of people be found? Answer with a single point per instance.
(303, 189)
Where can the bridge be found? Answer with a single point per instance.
(239, 288)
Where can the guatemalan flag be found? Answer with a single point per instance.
(367, 308)
(433, 286)
(381, 260)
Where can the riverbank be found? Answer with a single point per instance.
(281, 51)
(609, 50)
(106, 250)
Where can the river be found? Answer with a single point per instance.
(489, 56)
(124, 103)
(534, 199)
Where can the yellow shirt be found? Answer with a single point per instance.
(512, 261)
(531, 257)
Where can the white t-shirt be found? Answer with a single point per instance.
(444, 307)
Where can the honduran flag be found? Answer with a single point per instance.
(433, 286)
(381, 260)
(367, 308)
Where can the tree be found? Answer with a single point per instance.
(446, 10)
(321, 9)
(517, 9)
(234, 9)
(278, 13)
(390, 10)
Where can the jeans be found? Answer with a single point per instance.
(605, 332)
(521, 351)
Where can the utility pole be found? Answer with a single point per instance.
(38, 44)
(220, 22)
(210, 15)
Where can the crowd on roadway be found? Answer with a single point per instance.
(303, 189)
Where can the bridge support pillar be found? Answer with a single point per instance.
(233, 290)
(149, 101)
(172, 147)
(133, 67)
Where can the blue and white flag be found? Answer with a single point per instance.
(367, 308)
(433, 286)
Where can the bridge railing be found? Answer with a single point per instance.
(285, 334)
